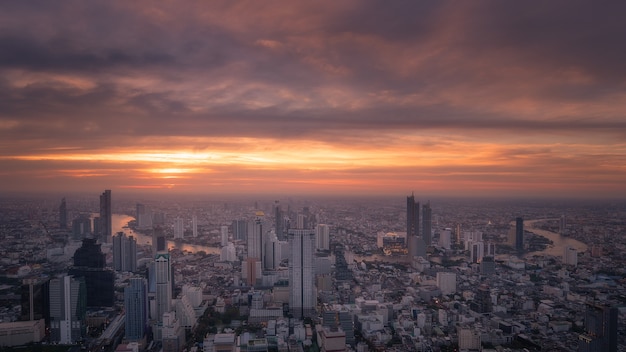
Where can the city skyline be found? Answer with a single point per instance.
(446, 99)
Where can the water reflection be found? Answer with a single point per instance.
(120, 224)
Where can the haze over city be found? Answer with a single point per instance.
(444, 98)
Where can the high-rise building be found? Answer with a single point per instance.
(106, 216)
(163, 279)
(255, 239)
(600, 329)
(445, 238)
(224, 236)
(322, 237)
(477, 252)
(35, 300)
(570, 256)
(278, 220)
(412, 216)
(144, 217)
(519, 235)
(124, 252)
(63, 214)
(446, 282)
(81, 227)
(67, 309)
(482, 300)
(136, 307)
(89, 263)
(488, 266)
(159, 242)
(427, 215)
(302, 293)
(179, 228)
(194, 225)
(239, 229)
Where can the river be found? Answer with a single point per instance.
(559, 242)
(120, 222)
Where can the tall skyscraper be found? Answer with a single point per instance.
(159, 243)
(63, 214)
(136, 307)
(322, 237)
(412, 225)
(239, 229)
(427, 223)
(302, 293)
(67, 309)
(89, 263)
(144, 217)
(81, 227)
(35, 300)
(224, 236)
(124, 253)
(600, 329)
(163, 278)
(106, 224)
(194, 225)
(255, 239)
(412, 217)
(519, 235)
(179, 228)
(278, 220)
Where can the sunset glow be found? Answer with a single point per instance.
(314, 98)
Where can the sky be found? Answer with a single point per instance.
(459, 98)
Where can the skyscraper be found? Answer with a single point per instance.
(124, 252)
(427, 223)
(278, 220)
(163, 278)
(322, 237)
(600, 329)
(35, 300)
(412, 217)
(67, 309)
(519, 235)
(63, 214)
(179, 228)
(89, 262)
(81, 227)
(136, 307)
(159, 242)
(255, 239)
(302, 293)
(105, 216)
(194, 225)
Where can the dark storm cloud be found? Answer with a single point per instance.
(465, 63)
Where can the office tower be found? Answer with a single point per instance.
(179, 228)
(239, 229)
(272, 252)
(600, 329)
(412, 217)
(477, 252)
(570, 256)
(412, 225)
(224, 235)
(81, 227)
(444, 238)
(458, 237)
(106, 224)
(446, 282)
(194, 226)
(35, 300)
(63, 214)
(302, 295)
(278, 219)
(159, 243)
(482, 300)
(89, 263)
(136, 307)
(144, 217)
(427, 215)
(163, 280)
(251, 271)
(124, 253)
(488, 266)
(339, 316)
(322, 237)
(255, 239)
(519, 235)
(67, 309)
(562, 225)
